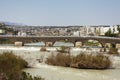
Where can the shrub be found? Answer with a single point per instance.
(10, 67)
(84, 61)
(59, 60)
(9, 60)
(27, 76)
(91, 61)
(113, 51)
(43, 49)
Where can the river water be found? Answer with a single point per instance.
(32, 54)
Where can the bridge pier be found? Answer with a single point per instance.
(118, 46)
(103, 46)
(53, 39)
(18, 43)
(78, 44)
(49, 44)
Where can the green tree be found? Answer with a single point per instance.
(108, 33)
(118, 28)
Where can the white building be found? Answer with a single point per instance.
(77, 33)
(102, 30)
(22, 33)
(114, 29)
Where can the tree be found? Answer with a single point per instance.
(118, 28)
(108, 33)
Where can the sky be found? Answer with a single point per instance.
(61, 12)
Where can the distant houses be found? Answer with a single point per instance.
(22, 33)
(99, 30)
(2, 31)
(95, 30)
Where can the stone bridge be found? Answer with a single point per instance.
(52, 39)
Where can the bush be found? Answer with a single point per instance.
(24, 76)
(43, 49)
(27, 76)
(9, 60)
(10, 67)
(59, 60)
(113, 51)
(84, 61)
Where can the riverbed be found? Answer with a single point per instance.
(62, 73)
(32, 54)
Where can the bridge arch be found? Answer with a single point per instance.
(63, 42)
(91, 43)
(110, 45)
(53, 39)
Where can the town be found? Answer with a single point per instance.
(23, 30)
(60, 40)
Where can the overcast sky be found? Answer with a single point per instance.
(61, 12)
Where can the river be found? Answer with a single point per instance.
(32, 54)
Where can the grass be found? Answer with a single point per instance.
(81, 61)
